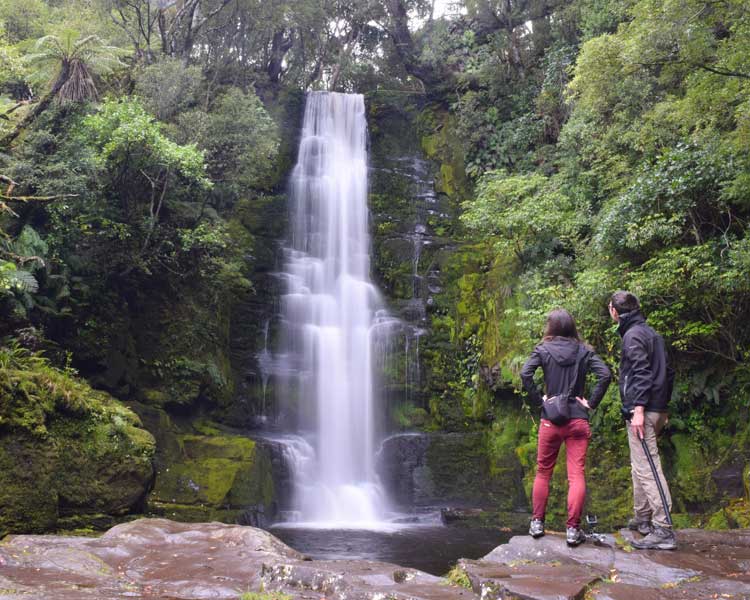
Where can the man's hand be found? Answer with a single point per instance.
(636, 422)
(583, 402)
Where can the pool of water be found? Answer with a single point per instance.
(431, 548)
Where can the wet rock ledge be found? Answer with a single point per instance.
(157, 558)
(707, 564)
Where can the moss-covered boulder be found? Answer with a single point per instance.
(455, 469)
(66, 450)
(222, 477)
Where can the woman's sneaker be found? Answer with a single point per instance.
(536, 528)
(575, 537)
(639, 525)
(660, 538)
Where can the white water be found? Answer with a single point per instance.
(333, 317)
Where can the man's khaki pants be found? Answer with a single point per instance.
(646, 499)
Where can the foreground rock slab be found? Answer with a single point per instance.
(707, 564)
(158, 558)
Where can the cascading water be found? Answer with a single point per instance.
(333, 318)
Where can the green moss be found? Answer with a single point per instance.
(65, 449)
(28, 498)
(100, 463)
(199, 447)
(194, 513)
(430, 144)
(408, 416)
(458, 577)
(154, 397)
(738, 513)
(439, 141)
(686, 520)
(692, 475)
(206, 481)
(264, 596)
(718, 520)
(447, 182)
(220, 471)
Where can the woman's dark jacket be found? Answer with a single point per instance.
(645, 378)
(557, 357)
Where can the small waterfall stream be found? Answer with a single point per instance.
(333, 319)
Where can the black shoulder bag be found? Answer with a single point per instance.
(557, 408)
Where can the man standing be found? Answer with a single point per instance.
(645, 388)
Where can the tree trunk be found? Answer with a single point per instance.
(404, 44)
(280, 45)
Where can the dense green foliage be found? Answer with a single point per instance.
(578, 147)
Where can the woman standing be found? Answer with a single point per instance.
(565, 361)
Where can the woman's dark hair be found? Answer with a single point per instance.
(625, 302)
(560, 323)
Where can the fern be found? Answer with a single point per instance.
(23, 280)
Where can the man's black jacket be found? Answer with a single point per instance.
(645, 379)
(557, 357)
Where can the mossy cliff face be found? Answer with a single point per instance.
(414, 213)
(67, 450)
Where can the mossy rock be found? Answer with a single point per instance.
(215, 472)
(66, 449)
(28, 498)
(458, 467)
(103, 466)
(193, 513)
(87, 523)
(407, 416)
(198, 447)
(738, 513)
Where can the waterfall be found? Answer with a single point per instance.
(333, 316)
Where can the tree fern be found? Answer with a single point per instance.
(70, 62)
(74, 60)
(23, 280)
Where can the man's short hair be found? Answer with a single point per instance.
(625, 302)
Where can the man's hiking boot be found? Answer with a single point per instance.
(536, 528)
(641, 526)
(574, 536)
(660, 538)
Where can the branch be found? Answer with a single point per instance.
(8, 197)
(31, 198)
(674, 61)
(211, 15)
(724, 72)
